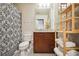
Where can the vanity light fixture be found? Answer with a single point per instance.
(44, 5)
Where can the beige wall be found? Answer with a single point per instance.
(28, 16)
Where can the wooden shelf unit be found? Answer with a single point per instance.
(70, 24)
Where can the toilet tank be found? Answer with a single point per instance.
(27, 37)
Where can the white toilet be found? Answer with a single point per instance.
(24, 46)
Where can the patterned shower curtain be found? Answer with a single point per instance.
(10, 29)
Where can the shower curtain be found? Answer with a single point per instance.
(10, 29)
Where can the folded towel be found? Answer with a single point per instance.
(72, 53)
(70, 44)
(58, 52)
(59, 42)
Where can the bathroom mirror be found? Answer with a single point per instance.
(42, 17)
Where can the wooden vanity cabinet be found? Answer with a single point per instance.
(44, 42)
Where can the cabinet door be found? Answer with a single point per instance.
(44, 42)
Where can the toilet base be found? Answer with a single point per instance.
(23, 53)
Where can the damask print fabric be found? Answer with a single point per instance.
(10, 29)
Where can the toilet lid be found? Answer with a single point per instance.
(23, 44)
